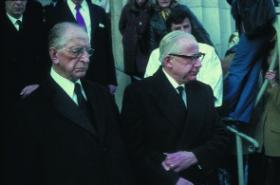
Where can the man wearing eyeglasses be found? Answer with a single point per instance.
(66, 131)
(93, 19)
(22, 57)
(172, 130)
(210, 71)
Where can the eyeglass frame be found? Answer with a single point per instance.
(192, 57)
(77, 52)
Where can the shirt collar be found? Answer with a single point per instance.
(72, 5)
(65, 84)
(172, 81)
(13, 20)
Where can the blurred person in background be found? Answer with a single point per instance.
(134, 27)
(158, 23)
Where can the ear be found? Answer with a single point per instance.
(53, 55)
(167, 62)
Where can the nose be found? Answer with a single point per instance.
(85, 57)
(197, 63)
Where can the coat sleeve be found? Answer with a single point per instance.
(21, 151)
(145, 161)
(216, 147)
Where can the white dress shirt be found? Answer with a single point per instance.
(84, 10)
(14, 21)
(67, 85)
(175, 85)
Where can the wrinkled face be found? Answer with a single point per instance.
(15, 8)
(164, 3)
(185, 66)
(184, 26)
(72, 60)
(140, 2)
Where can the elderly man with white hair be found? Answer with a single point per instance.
(66, 131)
(172, 131)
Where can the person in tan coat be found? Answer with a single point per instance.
(268, 131)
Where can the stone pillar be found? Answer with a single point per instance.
(123, 79)
(216, 18)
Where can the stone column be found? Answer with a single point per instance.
(216, 18)
(123, 79)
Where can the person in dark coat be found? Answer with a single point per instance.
(102, 67)
(134, 27)
(173, 133)
(22, 44)
(66, 131)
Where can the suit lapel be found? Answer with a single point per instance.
(98, 108)
(195, 115)
(8, 24)
(93, 18)
(65, 13)
(66, 107)
(167, 98)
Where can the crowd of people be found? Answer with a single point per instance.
(62, 124)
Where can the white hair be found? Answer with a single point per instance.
(61, 33)
(170, 43)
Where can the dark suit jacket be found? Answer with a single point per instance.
(155, 121)
(102, 68)
(52, 143)
(23, 52)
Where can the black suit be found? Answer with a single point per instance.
(23, 59)
(52, 142)
(102, 68)
(155, 120)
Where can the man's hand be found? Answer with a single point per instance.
(179, 161)
(183, 181)
(112, 88)
(271, 76)
(28, 90)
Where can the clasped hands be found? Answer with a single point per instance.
(179, 161)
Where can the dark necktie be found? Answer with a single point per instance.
(84, 106)
(81, 100)
(79, 17)
(19, 23)
(181, 90)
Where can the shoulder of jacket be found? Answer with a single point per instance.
(205, 47)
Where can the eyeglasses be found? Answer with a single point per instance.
(192, 58)
(79, 51)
